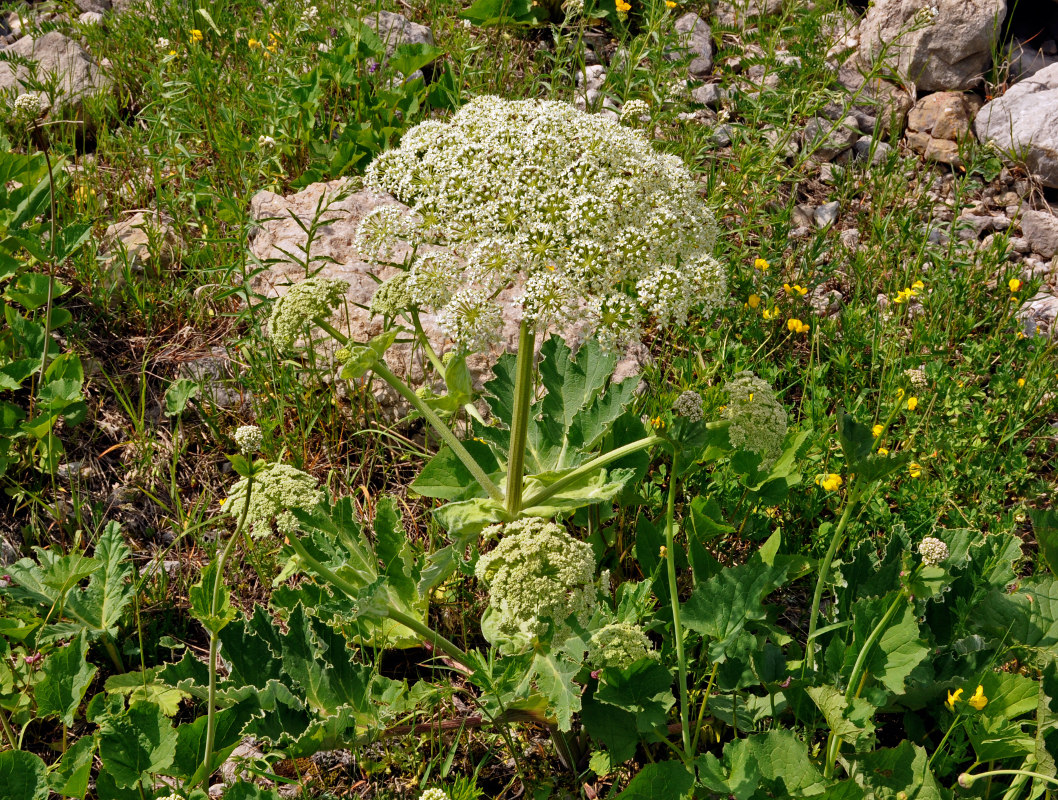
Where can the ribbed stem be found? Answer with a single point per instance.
(677, 628)
(523, 397)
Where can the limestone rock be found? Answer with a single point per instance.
(696, 37)
(950, 53)
(881, 99)
(1023, 124)
(279, 236)
(1041, 232)
(938, 122)
(54, 54)
(736, 13)
(137, 243)
(825, 140)
(395, 30)
(1039, 316)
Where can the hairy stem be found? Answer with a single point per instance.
(9, 733)
(523, 397)
(584, 469)
(824, 572)
(214, 638)
(833, 740)
(677, 628)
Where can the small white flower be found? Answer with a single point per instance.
(434, 794)
(633, 110)
(265, 142)
(162, 43)
(933, 551)
(309, 14)
(248, 438)
(471, 319)
(31, 106)
(689, 405)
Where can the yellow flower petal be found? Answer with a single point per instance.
(978, 699)
(953, 698)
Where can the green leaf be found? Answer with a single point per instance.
(663, 780)
(395, 553)
(500, 12)
(998, 739)
(201, 596)
(902, 769)
(1045, 529)
(136, 744)
(857, 440)
(720, 606)
(446, 477)
(554, 677)
(643, 689)
(146, 686)
(1027, 617)
(242, 790)
(364, 357)
(612, 727)
(180, 392)
(31, 290)
(776, 760)
(851, 721)
(23, 776)
(109, 590)
(66, 677)
(407, 58)
(191, 741)
(70, 776)
(470, 516)
(899, 649)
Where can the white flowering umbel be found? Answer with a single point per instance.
(619, 645)
(597, 227)
(538, 576)
(304, 301)
(248, 438)
(30, 107)
(689, 405)
(277, 488)
(758, 420)
(434, 794)
(633, 110)
(933, 551)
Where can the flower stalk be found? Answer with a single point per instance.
(523, 398)
(674, 600)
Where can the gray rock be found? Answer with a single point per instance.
(877, 98)
(722, 135)
(1020, 244)
(800, 232)
(1041, 232)
(1023, 124)
(736, 13)
(824, 139)
(1039, 316)
(936, 235)
(952, 52)
(866, 147)
(95, 6)
(1024, 60)
(91, 18)
(53, 54)
(850, 238)
(591, 78)
(137, 243)
(803, 215)
(696, 37)
(395, 30)
(709, 94)
(827, 214)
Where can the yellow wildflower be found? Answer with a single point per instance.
(912, 403)
(770, 314)
(663, 552)
(876, 431)
(918, 286)
(761, 263)
(623, 7)
(797, 289)
(1021, 383)
(978, 699)
(753, 301)
(882, 451)
(670, 4)
(953, 698)
(657, 422)
(1014, 284)
(196, 35)
(831, 482)
(796, 326)
(252, 43)
(914, 469)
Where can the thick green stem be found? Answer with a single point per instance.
(431, 354)
(674, 600)
(966, 780)
(833, 740)
(449, 438)
(584, 469)
(824, 573)
(214, 640)
(523, 398)
(9, 733)
(428, 634)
